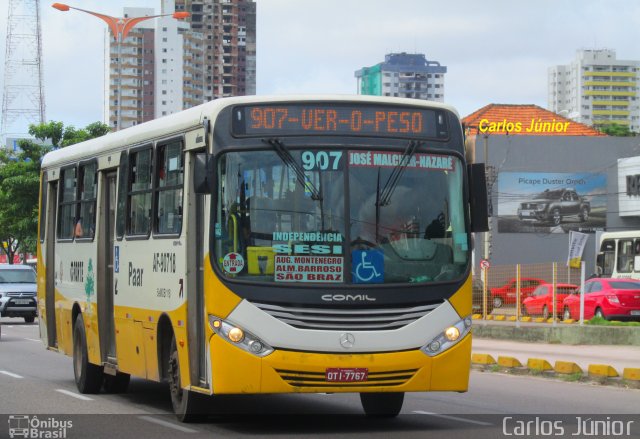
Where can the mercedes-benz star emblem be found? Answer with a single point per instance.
(347, 340)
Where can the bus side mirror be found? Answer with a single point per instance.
(203, 174)
(478, 197)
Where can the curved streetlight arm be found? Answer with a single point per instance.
(120, 27)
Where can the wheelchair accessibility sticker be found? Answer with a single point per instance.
(367, 266)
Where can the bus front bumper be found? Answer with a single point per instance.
(235, 371)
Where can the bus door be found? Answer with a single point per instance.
(50, 263)
(106, 289)
(606, 259)
(195, 285)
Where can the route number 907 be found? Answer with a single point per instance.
(321, 160)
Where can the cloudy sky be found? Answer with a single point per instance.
(496, 51)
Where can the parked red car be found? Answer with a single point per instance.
(541, 300)
(612, 299)
(507, 292)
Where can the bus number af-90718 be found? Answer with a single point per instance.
(338, 119)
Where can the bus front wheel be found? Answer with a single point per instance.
(386, 405)
(88, 376)
(187, 405)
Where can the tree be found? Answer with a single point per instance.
(614, 129)
(20, 182)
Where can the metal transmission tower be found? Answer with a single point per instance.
(23, 94)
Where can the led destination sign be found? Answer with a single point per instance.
(338, 119)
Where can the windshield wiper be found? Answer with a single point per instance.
(390, 186)
(288, 160)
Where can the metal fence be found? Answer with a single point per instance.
(524, 292)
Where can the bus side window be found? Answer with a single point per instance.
(140, 191)
(87, 199)
(625, 256)
(123, 179)
(168, 188)
(608, 251)
(67, 207)
(636, 255)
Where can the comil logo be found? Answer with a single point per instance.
(348, 298)
(33, 427)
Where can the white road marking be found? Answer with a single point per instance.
(33, 339)
(453, 418)
(75, 395)
(168, 424)
(10, 374)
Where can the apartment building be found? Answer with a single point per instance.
(403, 75)
(169, 65)
(227, 31)
(137, 73)
(596, 89)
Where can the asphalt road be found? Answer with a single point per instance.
(37, 382)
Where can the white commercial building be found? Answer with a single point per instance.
(596, 89)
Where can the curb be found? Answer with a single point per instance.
(559, 333)
(567, 370)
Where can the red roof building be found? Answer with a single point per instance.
(523, 120)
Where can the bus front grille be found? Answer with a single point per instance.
(341, 319)
(297, 378)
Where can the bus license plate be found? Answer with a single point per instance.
(341, 375)
(635, 313)
(21, 301)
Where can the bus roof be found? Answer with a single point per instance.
(619, 235)
(192, 118)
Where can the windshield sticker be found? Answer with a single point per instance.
(393, 159)
(233, 263)
(367, 266)
(308, 269)
(306, 243)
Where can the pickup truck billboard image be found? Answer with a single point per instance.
(530, 202)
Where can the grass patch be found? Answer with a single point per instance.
(599, 321)
(495, 368)
(576, 376)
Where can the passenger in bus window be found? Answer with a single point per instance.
(77, 228)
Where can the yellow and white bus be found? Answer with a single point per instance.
(265, 245)
(619, 254)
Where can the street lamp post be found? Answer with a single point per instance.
(120, 28)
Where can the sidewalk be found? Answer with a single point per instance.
(620, 357)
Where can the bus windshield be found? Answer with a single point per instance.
(340, 216)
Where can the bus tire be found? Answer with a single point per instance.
(88, 376)
(187, 405)
(117, 383)
(383, 405)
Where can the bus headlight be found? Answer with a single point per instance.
(239, 337)
(448, 338)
